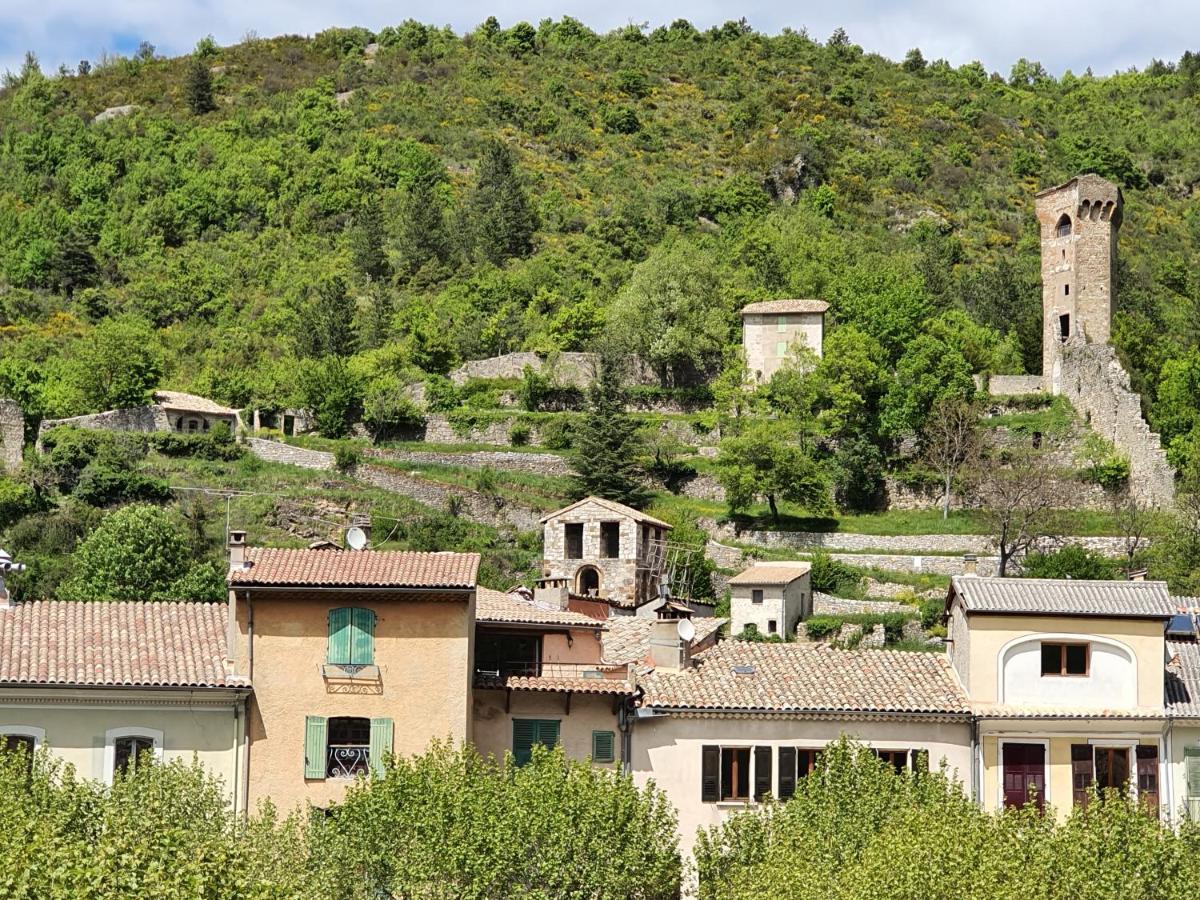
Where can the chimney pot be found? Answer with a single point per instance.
(970, 564)
(1137, 575)
(668, 651)
(237, 550)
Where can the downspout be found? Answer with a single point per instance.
(1167, 765)
(246, 704)
(976, 763)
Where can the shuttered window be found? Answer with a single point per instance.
(787, 772)
(381, 744)
(314, 746)
(527, 732)
(1083, 773)
(604, 746)
(351, 637)
(1191, 762)
(762, 772)
(710, 774)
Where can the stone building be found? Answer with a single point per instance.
(170, 411)
(772, 328)
(190, 413)
(772, 596)
(1079, 222)
(607, 549)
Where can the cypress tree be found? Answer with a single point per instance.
(502, 221)
(424, 236)
(198, 89)
(607, 445)
(367, 240)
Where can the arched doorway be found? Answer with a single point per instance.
(587, 580)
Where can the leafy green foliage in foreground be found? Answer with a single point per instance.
(857, 829)
(447, 824)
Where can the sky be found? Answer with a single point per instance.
(1107, 35)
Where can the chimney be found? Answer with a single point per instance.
(363, 524)
(7, 566)
(970, 564)
(551, 593)
(669, 652)
(1137, 575)
(237, 550)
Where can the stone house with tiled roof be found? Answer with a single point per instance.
(773, 329)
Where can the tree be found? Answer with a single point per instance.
(930, 370)
(606, 444)
(326, 322)
(950, 441)
(198, 89)
(1071, 561)
(764, 461)
(139, 552)
(424, 237)
(914, 60)
(1019, 497)
(333, 392)
(501, 218)
(366, 242)
(117, 366)
(1134, 521)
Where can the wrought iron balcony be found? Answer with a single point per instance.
(348, 760)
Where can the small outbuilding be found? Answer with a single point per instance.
(772, 596)
(772, 328)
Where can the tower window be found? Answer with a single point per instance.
(1066, 290)
(1063, 229)
(1064, 327)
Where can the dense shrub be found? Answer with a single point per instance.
(830, 576)
(1071, 561)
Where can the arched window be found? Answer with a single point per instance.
(1063, 229)
(587, 580)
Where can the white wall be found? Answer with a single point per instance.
(1111, 681)
(787, 605)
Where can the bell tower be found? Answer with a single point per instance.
(1079, 221)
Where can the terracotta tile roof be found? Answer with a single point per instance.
(1182, 687)
(627, 639)
(612, 506)
(809, 678)
(559, 685)
(191, 403)
(767, 307)
(1054, 596)
(772, 573)
(356, 568)
(495, 606)
(1067, 712)
(120, 643)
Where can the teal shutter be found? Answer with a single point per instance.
(524, 734)
(339, 637)
(314, 747)
(381, 743)
(1191, 762)
(548, 733)
(603, 746)
(362, 637)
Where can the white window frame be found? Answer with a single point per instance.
(1129, 745)
(1045, 742)
(38, 734)
(110, 745)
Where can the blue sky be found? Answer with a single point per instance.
(1107, 35)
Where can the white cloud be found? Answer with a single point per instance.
(1107, 35)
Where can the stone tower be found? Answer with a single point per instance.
(1079, 221)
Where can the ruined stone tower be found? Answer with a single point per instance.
(1079, 221)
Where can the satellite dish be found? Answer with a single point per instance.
(686, 630)
(356, 538)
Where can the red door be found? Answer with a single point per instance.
(1024, 768)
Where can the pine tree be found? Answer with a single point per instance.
(502, 221)
(367, 240)
(198, 89)
(607, 445)
(424, 237)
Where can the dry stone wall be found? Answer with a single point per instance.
(1092, 378)
(275, 451)
(140, 418)
(12, 435)
(566, 369)
(535, 463)
(1014, 385)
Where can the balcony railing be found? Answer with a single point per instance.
(555, 670)
(347, 760)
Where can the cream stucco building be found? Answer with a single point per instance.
(773, 597)
(773, 329)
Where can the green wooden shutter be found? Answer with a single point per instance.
(710, 774)
(787, 772)
(362, 631)
(524, 735)
(548, 733)
(603, 746)
(1191, 761)
(339, 637)
(381, 743)
(762, 772)
(314, 747)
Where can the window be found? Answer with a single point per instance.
(126, 747)
(1064, 326)
(1147, 778)
(756, 595)
(1023, 774)
(573, 540)
(527, 732)
(504, 654)
(604, 746)
(1064, 659)
(781, 348)
(735, 773)
(610, 539)
(795, 763)
(351, 637)
(1066, 290)
(1191, 770)
(772, 626)
(345, 746)
(781, 324)
(1083, 773)
(897, 759)
(21, 739)
(1112, 768)
(1063, 228)
(587, 581)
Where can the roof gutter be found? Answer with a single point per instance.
(342, 588)
(650, 712)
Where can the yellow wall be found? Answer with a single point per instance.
(1059, 790)
(493, 730)
(424, 651)
(989, 633)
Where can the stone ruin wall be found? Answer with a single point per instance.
(141, 418)
(1091, 377)
(567, 369)
(12, 435)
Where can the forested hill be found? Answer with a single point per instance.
(550, 188)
